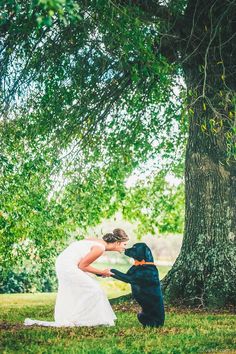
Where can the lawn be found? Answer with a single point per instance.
(184, 331)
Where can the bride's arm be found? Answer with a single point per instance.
(85, 262)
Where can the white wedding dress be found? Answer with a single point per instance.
(80, 299)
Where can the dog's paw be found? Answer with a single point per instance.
(115, 271)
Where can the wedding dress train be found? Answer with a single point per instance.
(80, 299)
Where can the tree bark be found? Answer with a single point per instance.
(204, 272)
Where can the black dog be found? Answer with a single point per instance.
(145, 285)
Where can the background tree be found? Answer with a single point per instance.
(157, 206)
(98, 81)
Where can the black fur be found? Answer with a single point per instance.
(145, 285)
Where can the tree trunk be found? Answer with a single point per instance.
(205, 271)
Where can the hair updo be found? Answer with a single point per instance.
(118, 235)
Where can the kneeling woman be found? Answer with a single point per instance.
(80, 299)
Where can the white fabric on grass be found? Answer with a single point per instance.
(80, 299)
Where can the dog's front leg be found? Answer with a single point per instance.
(121, 276)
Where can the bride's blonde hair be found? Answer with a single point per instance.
(118, 235)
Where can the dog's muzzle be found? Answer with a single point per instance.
(127, 252)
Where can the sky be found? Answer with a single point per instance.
(149, 169)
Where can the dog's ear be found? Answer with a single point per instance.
(138, 251)
(148, 254)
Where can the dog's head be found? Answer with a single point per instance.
(140, 251)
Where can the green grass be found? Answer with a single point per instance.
(184, 331)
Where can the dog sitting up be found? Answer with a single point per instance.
(145, 284)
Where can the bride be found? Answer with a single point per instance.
(80, 299)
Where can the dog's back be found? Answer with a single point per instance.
(146, 289)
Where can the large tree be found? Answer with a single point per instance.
(82, 74)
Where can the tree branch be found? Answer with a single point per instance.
(168, 43)
(150, 7)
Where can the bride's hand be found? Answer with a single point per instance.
(106, 273)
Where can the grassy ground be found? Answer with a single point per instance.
(184, 331)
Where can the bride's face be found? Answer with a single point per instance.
(120, 246)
